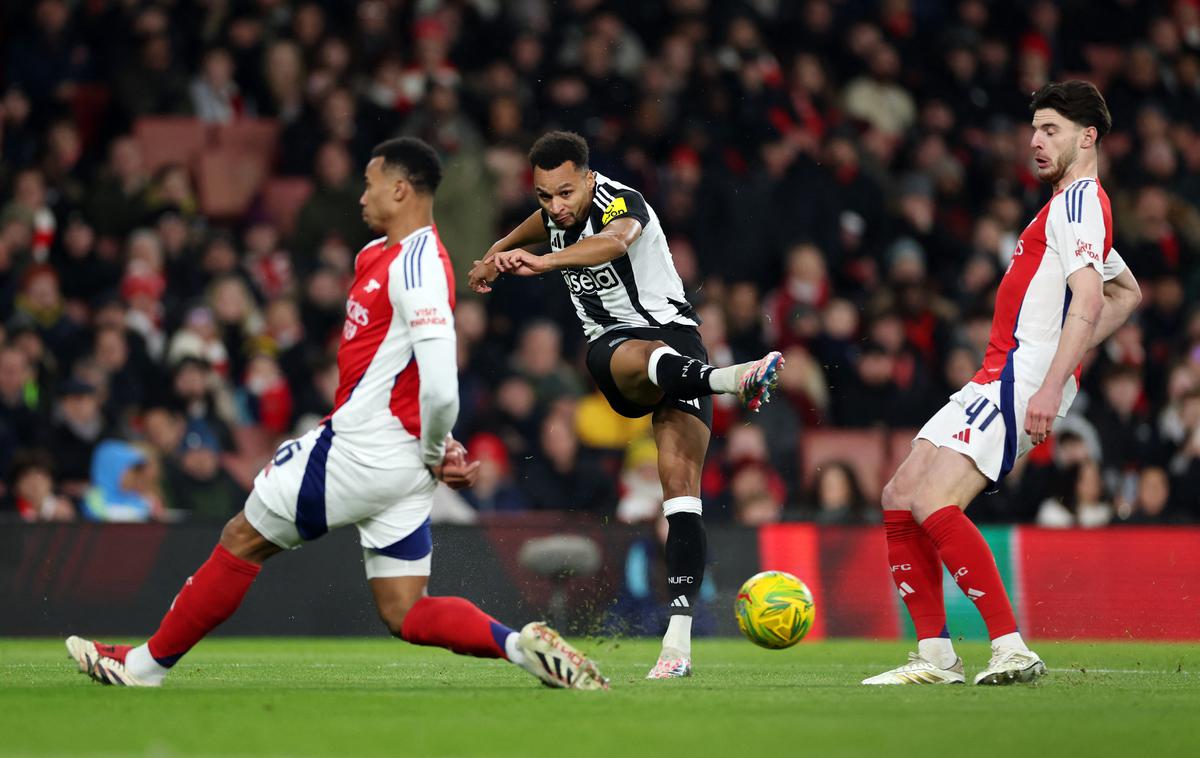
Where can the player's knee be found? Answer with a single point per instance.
(896, 496)
(241, 539)
(927, 502)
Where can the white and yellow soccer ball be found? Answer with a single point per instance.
(774, 609)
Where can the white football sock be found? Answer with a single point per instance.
(142, 665)
(1010, 641)
(726, 379)
(512, 651)
(679, 636)
(937, 650)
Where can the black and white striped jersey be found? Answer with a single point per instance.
(641, 288)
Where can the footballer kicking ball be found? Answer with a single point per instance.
(774, 609)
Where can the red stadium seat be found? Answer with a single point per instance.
(259, 136)
(228, 181)
(863, 449)
(170, 139)
(282, 199)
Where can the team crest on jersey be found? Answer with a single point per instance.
(616, 208)
(589, 281)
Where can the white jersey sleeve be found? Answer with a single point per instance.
(420, 293)
(1078, 230)
(1114, 264)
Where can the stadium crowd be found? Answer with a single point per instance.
(843, 181)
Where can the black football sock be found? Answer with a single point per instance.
(679, 376)
(686, 550)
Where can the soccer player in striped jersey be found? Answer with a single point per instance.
(373, 462)
(644, 349)
(1065, 292)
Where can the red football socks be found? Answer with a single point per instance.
(917, 572)
(455, 624)
(973, 567)
(208, 597)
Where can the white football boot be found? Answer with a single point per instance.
(103, 663)
(920, 671)
(1010, 666)
(553, 660)
(672, 664)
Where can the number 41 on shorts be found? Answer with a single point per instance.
(976, 409)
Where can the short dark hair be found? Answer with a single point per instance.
(556, 148)
(1077, 100)
(415, 158)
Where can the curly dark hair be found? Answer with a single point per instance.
(556, 148)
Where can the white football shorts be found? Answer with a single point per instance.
(986, 423)
(315, 484)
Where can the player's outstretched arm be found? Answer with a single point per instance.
(1122, 295)
(1087, 300)
(609, 244)
(530, 231)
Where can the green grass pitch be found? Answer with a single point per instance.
(301, 697)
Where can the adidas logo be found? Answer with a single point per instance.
(680, 602)
(964, 435)
(975, 594)
(372, 286)
(906, 589)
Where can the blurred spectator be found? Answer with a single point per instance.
(124, 484)
(600, 428)
(194, 481)
(870, 397)
(559, 479)
(757, 494)
(32, 493)
(119, 198)
(538, 358)
(153, 84)
(1081, 500)
(837, 498)
(267, 397)
(29, 208)
(333, 208)
(877, 99)
(1127, 437)
(76, 429)
(494, 490)
(19, 399)
(40, 303)
(198, 389)
(641, 488)
(1151, 506)
(215, 95)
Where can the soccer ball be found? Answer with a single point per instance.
(774, 609)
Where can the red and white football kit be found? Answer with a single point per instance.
(365, 464)
(985, 419)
